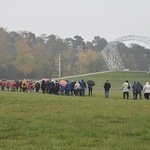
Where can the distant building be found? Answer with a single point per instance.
(125, 69)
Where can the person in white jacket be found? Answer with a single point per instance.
(146, 90)
(77, 88)
(125, 88)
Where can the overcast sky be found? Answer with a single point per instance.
(109, 19)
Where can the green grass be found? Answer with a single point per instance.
(115, 78)
(30, 121)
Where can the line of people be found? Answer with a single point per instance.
(25, 86)
(137, 89)
(76, 88)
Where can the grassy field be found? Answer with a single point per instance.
(116, 78)
(30, 121)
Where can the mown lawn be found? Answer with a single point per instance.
(30, 121)
(43, 121)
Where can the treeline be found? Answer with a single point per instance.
(23, 55)
(135, 57)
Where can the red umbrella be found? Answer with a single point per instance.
(45, 79)
(28, 80)
(63, 82)
(4, 80)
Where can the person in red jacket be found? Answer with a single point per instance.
(90, 88)
(3, 84)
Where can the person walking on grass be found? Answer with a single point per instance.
(77, 88)
(8, 85)
(107, 87)
(134, 86)
(139, 89)
(83, 87)
(125, 88)
(90, 88)
(146, 90)
(43, 86)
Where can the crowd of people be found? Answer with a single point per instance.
(75, 88)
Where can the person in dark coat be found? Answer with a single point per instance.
(20, 86)
(83, 87)
(139, 89)
(67, 91)
(51, 87)
(37, 87)
(48, 86)
(107, 87)
(134, 86)
(72, 87)
(43, 86)
(57, 88)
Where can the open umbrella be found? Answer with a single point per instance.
(91, 82)
(45, 79)
(63, 82)
(28, 80)
(4, 80)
